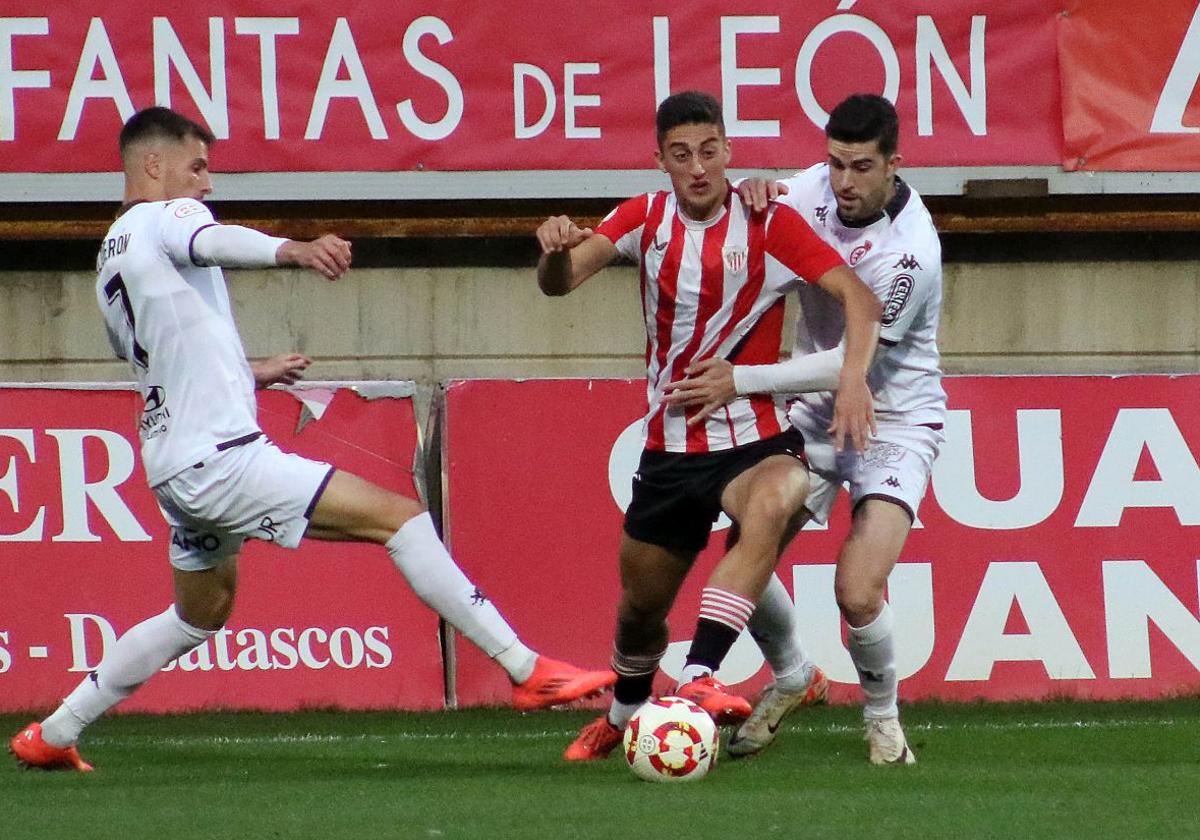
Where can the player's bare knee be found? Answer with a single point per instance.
(859, 604)
(769, 514)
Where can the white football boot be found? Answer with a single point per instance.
(887, 742)
(772, 707)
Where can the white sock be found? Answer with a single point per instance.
(694, 671)
(137, 656)
(773, 626)
(517, 660)
(437, 580)
(874, 655)
(619, 713)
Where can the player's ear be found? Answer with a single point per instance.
(894, 163)
(658, 160)
(152, 164)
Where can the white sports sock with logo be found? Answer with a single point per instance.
(773, 626)
(137, 656)
(874, 655)
(438, 581)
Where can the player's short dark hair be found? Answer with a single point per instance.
(161, 123)
(862, 118)
(691, 107)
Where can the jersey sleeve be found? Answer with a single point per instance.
(903, 284)
(795, 245)
(624, 226)
(180, 222)
(803, 189)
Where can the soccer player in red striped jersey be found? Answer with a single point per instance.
(856, 201)
(714, 276)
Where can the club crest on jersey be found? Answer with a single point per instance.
(188, 208)
(902, 287)
(735, 257)
(858, 253)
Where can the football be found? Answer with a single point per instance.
(671, 740)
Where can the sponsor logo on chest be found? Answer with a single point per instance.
(902, 287)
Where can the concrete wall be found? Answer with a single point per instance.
(432, 324)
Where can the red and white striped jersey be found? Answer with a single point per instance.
(713, 288)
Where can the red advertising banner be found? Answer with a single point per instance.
(365, 85)
(83, 557)
(1129, 79)
(1055, 553)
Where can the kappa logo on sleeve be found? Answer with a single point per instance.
(898, 295)
(188, 208)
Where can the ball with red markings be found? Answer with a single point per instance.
(671, 740)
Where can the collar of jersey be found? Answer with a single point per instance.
(129, 205)
(692, 224)
(891, 210)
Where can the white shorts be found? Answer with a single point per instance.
(256, 490)
(896, 466)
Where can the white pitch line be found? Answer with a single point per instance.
(835, 728)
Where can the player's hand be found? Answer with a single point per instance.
(559, 233)
(853, 414)
(328, 255)
(707, 383)
(756, 193)
(284, 369)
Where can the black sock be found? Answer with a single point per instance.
(635, 689)
(710, 644)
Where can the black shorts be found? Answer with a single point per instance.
(677, 495)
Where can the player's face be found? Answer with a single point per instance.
(695, 157)
(184, 169)
(862, 178)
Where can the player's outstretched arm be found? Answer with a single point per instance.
(713, 382)
(283, 369)
(853, 409)
(328, 255)
(235, 246)
(570, 255)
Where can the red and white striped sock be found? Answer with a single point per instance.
(723, 616)
(727, 607)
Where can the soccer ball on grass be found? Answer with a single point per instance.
(671, 740)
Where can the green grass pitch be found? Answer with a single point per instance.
(1055, 770)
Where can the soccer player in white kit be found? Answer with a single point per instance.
(859, 205)
(217, 479)
(714, 279)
